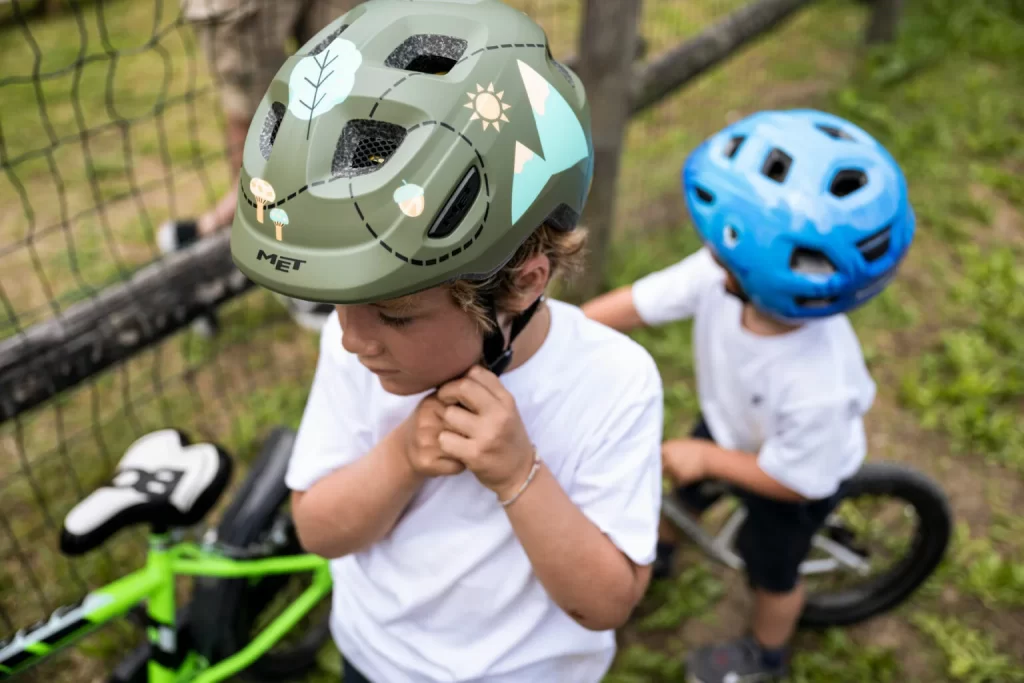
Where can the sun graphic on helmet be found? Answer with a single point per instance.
(487, 106)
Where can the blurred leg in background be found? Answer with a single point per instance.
(246, 42)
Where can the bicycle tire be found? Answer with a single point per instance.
(282, 664)
(230, 607)
(888, 590)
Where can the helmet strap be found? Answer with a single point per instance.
(498, 355)
(737, 292)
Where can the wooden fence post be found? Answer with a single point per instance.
(607, 46)
(884, 23)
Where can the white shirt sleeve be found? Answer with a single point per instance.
(333, 431)
(674, 293)
(814, 446)
(618, 484)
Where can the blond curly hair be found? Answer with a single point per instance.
(565, 251)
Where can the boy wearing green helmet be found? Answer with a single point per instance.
(482, 464)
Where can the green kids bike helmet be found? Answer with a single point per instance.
(406, 145)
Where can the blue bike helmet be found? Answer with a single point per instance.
(806, 210)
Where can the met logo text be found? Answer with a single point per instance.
(282, 263)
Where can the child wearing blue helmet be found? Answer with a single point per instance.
(804, 217)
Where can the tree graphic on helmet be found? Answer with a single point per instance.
(323, 80)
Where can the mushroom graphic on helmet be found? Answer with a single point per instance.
(263, 192)
(280, 219)
(409, 199)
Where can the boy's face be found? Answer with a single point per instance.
(413, 343)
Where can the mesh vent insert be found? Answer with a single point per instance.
(428, 53)
(322, 45)
(364, 146)
(562, 68)
(270, 127)
(565, 72)
(563, 218)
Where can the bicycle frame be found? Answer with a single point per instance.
(154, 584)
(720, 546)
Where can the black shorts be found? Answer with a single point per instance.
(350, 674)
(776, 535)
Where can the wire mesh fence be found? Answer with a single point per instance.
(112, 122)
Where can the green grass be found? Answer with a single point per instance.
(944, 341)
(838, 659)
(972, 383)
(970, 655)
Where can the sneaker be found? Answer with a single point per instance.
(738, 661)
(309, 315)
(173, 236)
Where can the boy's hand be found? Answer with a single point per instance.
(685, 460)
(422, 448)
(483, 430)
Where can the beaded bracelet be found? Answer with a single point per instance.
(529, 478)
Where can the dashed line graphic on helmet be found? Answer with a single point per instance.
(263, 203)
(457, 250)
(403, 79)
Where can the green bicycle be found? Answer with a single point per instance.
(243, 569)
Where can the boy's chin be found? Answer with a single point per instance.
(401, 385)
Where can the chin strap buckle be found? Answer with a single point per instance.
(501, 363)
(497, 355)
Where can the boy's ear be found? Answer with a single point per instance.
(731, 284)
(531, 280)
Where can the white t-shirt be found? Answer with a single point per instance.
(795, 399)
(449, 594)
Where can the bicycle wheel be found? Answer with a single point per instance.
(229, 612)
(883, 574)
(263, 599)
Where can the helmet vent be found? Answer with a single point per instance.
(563, 218)
(322, 45)
(875, 246)
(810, 262)
(823, 302)
(848, 181)
(833, 132)
(364, 146)
(703, 195)
(734, 146)
(271, 125)
(455, 209)
(427, 53)
(558, 65)
(565, 72)
(874, 287)
(776, 165)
